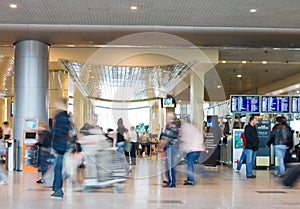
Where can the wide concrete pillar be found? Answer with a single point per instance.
(58, 82)
(197, 98)
(31, 87)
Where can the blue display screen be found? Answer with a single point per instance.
(275, 104)
(295, 104)
(244, 103)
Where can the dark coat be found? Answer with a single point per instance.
(281, 134)
(61, 131)
(252, 141)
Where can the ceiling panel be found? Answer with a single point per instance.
(216, 13)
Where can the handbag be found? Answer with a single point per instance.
(128, 146)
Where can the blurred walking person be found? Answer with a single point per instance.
(62, 127)
(192, 143)
(133, 137)
(121, 143)
(44, 142)
(169, 139)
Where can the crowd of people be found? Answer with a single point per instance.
(62, 142)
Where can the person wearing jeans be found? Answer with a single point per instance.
(250, 161)
(169, 138)
(282, 138)
(192, 143)
(120, 150)
(192, 157)
(58, 177)
(60, 140)
(279, 150)
(251, 147)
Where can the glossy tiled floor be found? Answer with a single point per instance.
(224, 189)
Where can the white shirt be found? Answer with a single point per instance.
(132, 136)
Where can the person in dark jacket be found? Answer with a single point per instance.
(60, 132)
(44, 142)
(251, 147)
(282, 138)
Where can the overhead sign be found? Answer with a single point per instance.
(274, 104)
(295, 104)
(245, 103)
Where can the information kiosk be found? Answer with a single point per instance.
(30, 137)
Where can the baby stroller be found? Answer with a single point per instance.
(103, 166)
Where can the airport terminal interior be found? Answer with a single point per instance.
(207, 66)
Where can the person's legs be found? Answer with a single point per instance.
(44, 168)
(191, 158)
(174, 162)
(280, 153)
(44, 165)
(127, 156)
(170, 166)
(58, 179)
(120, 151)
(133, 153)
(253, 158)
(242, 159)
(249, 162)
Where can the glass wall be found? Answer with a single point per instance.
(132, 113)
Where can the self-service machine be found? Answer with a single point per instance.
(30, 137)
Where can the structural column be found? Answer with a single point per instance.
(31, 87)
(2, 111)
(58, 82)
(197, 98)
(83, 109)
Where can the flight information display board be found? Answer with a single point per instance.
(244, 103)
(295, 106)
(273, 104)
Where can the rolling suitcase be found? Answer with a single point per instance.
(291, 175)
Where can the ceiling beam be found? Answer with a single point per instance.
(282, 84)
(104, 34)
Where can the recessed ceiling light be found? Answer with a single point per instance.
(13, 6)
(219, 86)
(179, 101)
(298, 92)
(92, 76)
(224, 61)
(280, 91)
(133, 7)
(244, 62)
(264, 62)
(5, 89)
(253, 10)
(239, 76)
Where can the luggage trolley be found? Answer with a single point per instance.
(104, 168)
